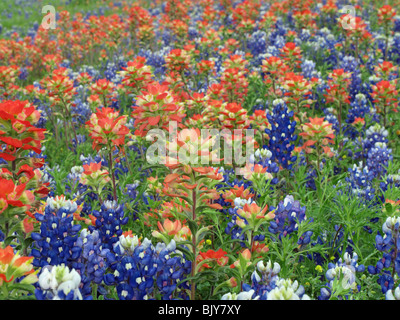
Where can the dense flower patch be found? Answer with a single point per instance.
(200, 150)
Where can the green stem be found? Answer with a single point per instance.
(194, 247)
(386, 41)
(127, 161)
(396, 235)
(112, 174)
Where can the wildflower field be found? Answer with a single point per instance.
(199, 150)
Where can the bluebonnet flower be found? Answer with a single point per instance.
(393, 294)
(80, 139)
(396, 24)
(59, 283)
(308, 69)
(281, 134)
(311, 174)
(111, 72)
(360, 181)
(269, 286)
(359, 108)
(92, 262)
(244, 295)
(140, 268)
(257, 45)
(286, 289)
(350, 64)
(23, 74)
(156, 59)
(173, 270)
(273, 50)
(390, 180)
(109, 222)
(394, 51)
(332, 118)
(74, 176)
(386, 282)
(375, 133)
(288, 215)
(263, 157)
(55, 244)
(44, 110)
(378, 159)
(81, 113)
(264, 281)
(344, 271)
(232, 228)
(305, 35)
(389, 244)
(131, 190)
(91, 71)
(334, 241)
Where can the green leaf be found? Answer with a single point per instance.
(24, 287)
(24, 297)
(202, 209)
(389, 209)
(201, 233)
(8, 240)
(193, 226)
(27, 242)
(189, 255)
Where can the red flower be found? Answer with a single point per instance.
(385, 96)
(155, 108)
(384, 93)
(14, 195)
(318, 132)
(234, 84)
(13, 265)
(385, 69)
(354, 27)
(291, 54)
(59, 86)
(136, 75)
(234, 116)
(330, 8)
(178, 60)
(8, 76)
(19, 117)
(386, 14)
(305, 18)
(107, 127)
(219, 257)
(338, 87)
(237, 192)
